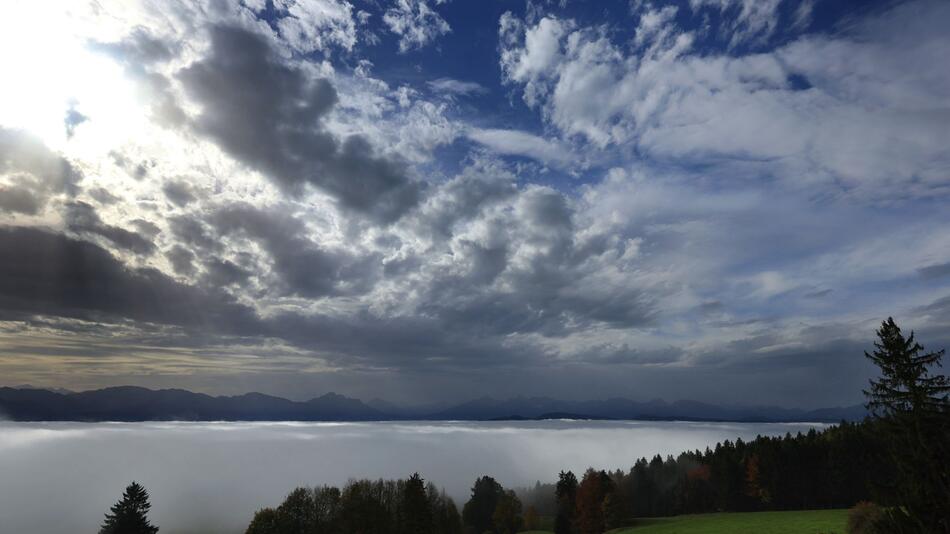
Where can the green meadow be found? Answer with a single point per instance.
(796, 522)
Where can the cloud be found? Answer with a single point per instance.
(30, 173)
(528, 55)
(312, 25)
(182, 260)
(305, 211)
(140, 47)
(304, 268)
(83, 218)
(853, 122)
(55, 275)
(751, 20)
(456, 87)
(178, 193)
(415, 23)
(18, 199)
(938, 270)
(269, 116)
(514, 142)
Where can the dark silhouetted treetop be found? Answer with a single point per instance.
(565, 494)
(910, 401)
(362, 507)
(908, 382)
(130, 515)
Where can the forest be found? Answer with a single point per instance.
(890, 469)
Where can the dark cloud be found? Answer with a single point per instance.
(135, 169)
(303, 267)
(54, 275)
(139, 48)
(146, 227)
(18, 199)
(407, 343)
(102, 195)
(192, 231)
(932, 272)
(525, 271)
(939, 308)
(178, 193)
(35, 173)
(459, 200)
(182, 260)
(82, 218)
(269, 116)
(222, 273)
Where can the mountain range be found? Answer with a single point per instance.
(130, 403)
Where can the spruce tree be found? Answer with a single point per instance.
(910, 400)
(907, 384)
(130, 515)
(566, 494)
(416, 510)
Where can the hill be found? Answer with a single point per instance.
(487, 408)
(129, 403)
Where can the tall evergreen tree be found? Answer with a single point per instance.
(911, 400)
(908, 384)
(416, 512)
(477, 512)
(566, 495)
(130, 515)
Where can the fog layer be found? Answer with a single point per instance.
(211, 477)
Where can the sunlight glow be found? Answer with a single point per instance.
(48, 69)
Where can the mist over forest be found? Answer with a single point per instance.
(211, 477)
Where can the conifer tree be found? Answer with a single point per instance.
(566, 494)
(911, 401)
(907, 384)
(130, 515)
(416, 511)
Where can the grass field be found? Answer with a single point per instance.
(798, 522)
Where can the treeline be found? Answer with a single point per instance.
(363, 506)
(395, 507)
(897, 457)
(835, 468)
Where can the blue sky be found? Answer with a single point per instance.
(431, 200)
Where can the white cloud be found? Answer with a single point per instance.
(873, 119)
(312, 25)
(654, 22)
(415, 23)
(456, 87)
(515, 142)
(754, 20)
(528, 55)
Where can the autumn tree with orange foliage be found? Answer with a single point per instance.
(591, 494)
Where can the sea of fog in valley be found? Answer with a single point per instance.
(211, 477)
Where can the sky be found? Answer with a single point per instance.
(437, 200)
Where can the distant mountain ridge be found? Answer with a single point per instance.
(622, 408)
(131, 403)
